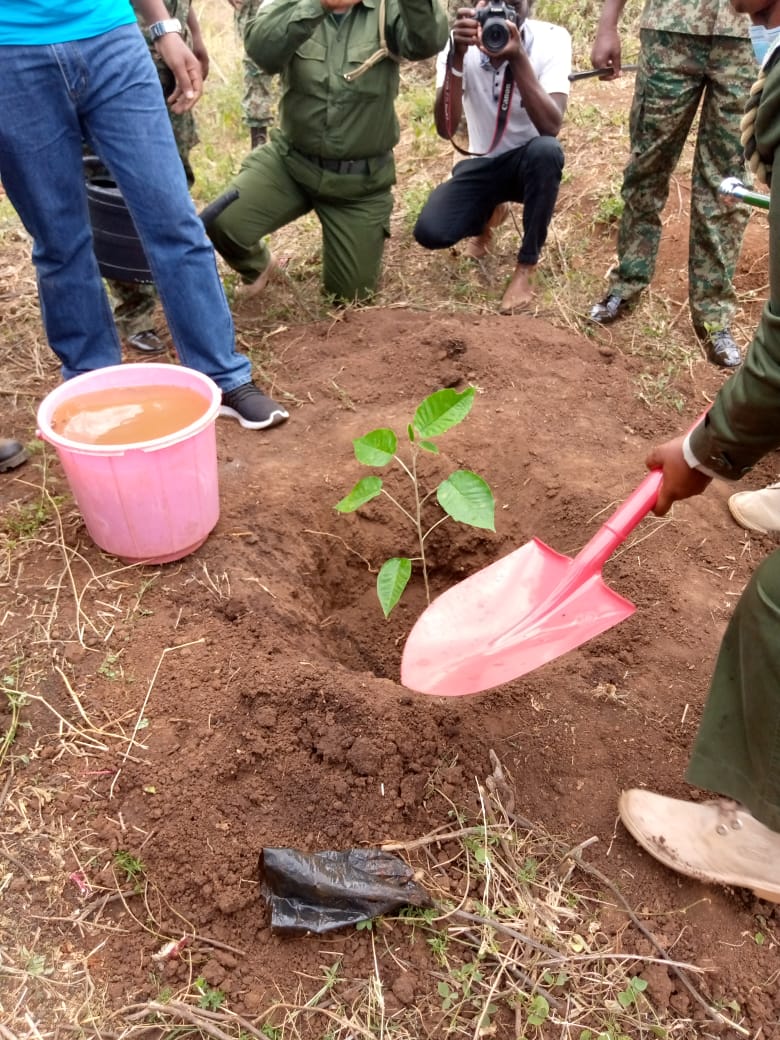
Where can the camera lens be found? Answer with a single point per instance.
(495, 35)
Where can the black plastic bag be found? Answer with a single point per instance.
(321, 891)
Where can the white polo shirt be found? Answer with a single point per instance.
(549, 48)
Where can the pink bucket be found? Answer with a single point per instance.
(153, 501)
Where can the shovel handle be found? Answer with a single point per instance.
(733, 188)
(622, 522)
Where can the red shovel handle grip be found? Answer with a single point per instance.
(636, 506)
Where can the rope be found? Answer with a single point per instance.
(756, 163)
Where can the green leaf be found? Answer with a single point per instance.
(468, 499)
(442, 410)
(430, 446)
(539, 1010)
(376, 448)
(362, 492)
(391, 581)
(410, 433)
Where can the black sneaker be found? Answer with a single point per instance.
(252, 408)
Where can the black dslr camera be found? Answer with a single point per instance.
(493, 19)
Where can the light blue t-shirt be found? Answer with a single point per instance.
(60, 21)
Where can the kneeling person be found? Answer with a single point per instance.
(510, 73)
(333, 151)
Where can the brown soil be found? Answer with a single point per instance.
(275, 712)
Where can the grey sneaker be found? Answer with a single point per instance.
(252, 408)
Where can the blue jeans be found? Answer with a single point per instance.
(461, 207)
(105, 90)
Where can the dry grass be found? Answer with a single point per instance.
(516, 935)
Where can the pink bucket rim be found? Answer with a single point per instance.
(80, 383)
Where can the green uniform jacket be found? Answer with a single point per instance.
(744, 422)
(321, 113)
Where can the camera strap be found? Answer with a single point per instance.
(502, 114)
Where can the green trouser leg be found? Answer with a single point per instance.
(737, 748)
(276, 186)
(676, 71)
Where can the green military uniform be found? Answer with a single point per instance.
(692, 52)
(337, 128)
(259, 101)
(134, 302)
(737, 749)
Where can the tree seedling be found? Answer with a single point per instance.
(463, 496)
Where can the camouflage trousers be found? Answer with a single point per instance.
(679, 75)
(260, 92)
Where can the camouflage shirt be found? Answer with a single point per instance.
(695, 18)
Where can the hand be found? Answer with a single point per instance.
(186, 70)
(679, 480)
(605, 52)
(465, 31)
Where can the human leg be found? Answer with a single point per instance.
(460, 207)
(736, 754)
(41, 169)
(268, 199)
(354, 211)
(669, 85)
(258, 103)
(737, 748)
(125, 117)
(353, 241)
(536, 170)
(134, 304)
(717, 229)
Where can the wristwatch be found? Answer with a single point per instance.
(168, 25)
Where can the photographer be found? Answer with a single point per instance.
(510, 74)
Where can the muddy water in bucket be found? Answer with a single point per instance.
(138, 446)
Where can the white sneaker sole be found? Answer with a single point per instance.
(276, 418)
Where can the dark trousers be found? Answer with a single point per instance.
(461, 207)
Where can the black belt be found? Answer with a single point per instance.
(353, 166)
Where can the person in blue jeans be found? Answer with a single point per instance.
(72, 70)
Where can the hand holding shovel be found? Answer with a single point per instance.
(529, 607)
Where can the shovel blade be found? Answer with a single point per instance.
(473, 636)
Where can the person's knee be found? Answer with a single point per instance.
(546, 155)
(430, 234)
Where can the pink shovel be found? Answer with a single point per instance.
(522, 611)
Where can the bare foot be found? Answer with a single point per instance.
(273, 270)
(519, 293)
(478, 247)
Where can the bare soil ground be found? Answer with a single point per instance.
(185, 717)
